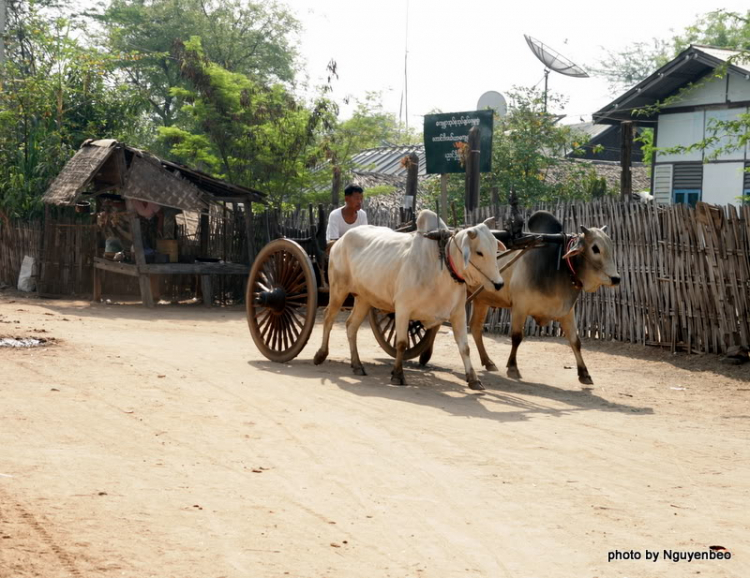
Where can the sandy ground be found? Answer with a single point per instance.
(161, 443)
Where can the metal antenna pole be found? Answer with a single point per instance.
(546, 78)
(406, 69)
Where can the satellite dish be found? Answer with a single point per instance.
(495, 101)
(553, 60)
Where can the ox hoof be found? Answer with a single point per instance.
(398, 379)
(513, 373)
(320, 357)
(489, 366)
(359, 370)
(476, 385)
(586, 379)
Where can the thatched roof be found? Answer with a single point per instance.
(78, 172)
(107, 165)
(146, 180)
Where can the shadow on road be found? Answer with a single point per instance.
(504, 400)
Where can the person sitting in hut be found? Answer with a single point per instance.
(349, 216)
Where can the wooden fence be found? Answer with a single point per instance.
(17, 239)
(685, 276)
(685, 272)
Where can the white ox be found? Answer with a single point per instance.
(403, 273)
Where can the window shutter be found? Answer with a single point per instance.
(663, 184)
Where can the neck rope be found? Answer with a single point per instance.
(574, 276)
(451, 266)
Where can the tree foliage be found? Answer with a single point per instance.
(627, 67)
(368, 127)
(249, 38)
(55, 94)
(247, 132)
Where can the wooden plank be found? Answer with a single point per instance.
(96, 294)
(195, 269)
(115, 267)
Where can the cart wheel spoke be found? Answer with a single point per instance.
(284, 331)
(297, 297)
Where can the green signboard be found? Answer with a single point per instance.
(444, 133)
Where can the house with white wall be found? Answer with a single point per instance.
(700, 86)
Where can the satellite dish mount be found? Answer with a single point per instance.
(553, 60)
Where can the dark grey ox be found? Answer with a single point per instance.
(544, 286)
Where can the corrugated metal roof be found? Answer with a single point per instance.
(589, 128)
(725, 55)
(387, 160)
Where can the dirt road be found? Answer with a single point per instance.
(160, 443)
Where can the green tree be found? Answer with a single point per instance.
(625, 68)
(239, 129)
(369, 126)
(55, 94)
(251, 38)
(529, 149)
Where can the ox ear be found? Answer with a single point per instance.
(501, 247)
(491, 222)
(576, 249)
(466, 247)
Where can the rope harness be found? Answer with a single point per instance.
(575, 280)
(446, 249)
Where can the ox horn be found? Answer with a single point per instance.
(604, 229)
(585, 231)
(472, 233)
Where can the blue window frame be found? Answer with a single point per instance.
(687, 196)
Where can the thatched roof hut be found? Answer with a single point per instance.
(107, 165)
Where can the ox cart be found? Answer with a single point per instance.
(288, 282)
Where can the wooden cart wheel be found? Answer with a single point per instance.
(281, 300)
(383, 325)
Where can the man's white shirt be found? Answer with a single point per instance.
(337, 226)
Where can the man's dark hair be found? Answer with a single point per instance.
(350, 189)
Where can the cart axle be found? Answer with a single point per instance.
(274, 300)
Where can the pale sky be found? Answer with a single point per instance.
(458, 50)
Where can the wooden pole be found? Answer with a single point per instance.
(495, 200)
(140, 257)
(444, 197)
(472, 174)
(412, 178)
(626, 178)
(249, 231)
(205, 232)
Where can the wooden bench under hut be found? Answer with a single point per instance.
(135, 197)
